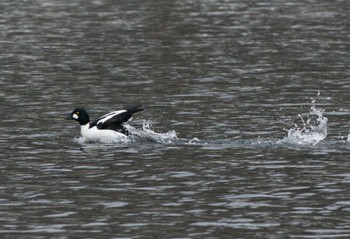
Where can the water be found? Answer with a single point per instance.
(223, 84)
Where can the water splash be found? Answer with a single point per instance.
(313, 130)
(146, 134)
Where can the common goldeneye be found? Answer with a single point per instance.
(107, 128)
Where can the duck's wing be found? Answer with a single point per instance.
(116, 118)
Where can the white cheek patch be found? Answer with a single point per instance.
(75, 116)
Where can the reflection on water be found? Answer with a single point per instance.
(222, 79)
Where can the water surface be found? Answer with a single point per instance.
(229, 78)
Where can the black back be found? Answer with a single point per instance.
(116, 122)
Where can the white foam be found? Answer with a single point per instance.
(148, 135)
(313, 130)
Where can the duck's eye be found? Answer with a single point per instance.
(77, 112)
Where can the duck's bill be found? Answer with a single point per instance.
(69, 117)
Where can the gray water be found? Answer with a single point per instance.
(229, 78)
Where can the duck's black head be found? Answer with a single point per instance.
(79, 115)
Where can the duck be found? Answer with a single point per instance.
(107, 128)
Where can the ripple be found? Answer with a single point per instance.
(63, 214)
(114, 204)
(250, 225)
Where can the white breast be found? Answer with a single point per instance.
(103, 136)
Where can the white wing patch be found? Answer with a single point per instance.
(108, 116)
